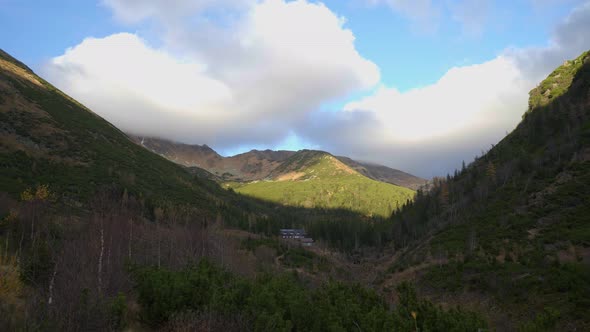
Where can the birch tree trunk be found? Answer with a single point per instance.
(51, 283)
(159, 246)
(130, 236)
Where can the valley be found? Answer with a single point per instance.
(100, 230)
(306, 178)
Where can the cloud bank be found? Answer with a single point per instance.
(269, 70)
(270, 73)
(431, 130)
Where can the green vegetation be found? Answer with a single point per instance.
(313, 179)
(514, 225)
(251, 244)
(558, 82)
(11, 294)
(282, 303)
(51, 139)
(80, 203)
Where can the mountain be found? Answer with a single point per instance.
(187, 155)
(49, 138)
(508, 236)
(510, 233)
(249, 166)
(291, 178)
(100, 234)
(258, 165)
(318, 179)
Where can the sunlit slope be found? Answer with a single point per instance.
(318, 179)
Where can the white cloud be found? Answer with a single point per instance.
(464, 98)
(453, 119)
(281, 61)
(430, 130)
(570, 38)
(264, 75)
(139, 88)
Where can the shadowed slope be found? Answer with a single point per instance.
(513, 228)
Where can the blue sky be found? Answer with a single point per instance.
(408, 57)
(401, 54)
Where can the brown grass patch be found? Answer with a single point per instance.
(19, 72)
(341, 166)
(291, 176)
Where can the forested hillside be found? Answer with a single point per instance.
(49, 138)
(512, 229)
(98, 233)
(258, 165)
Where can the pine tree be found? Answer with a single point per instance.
(491, 171)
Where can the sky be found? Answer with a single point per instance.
(417, 85)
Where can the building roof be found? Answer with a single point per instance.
(292, 231)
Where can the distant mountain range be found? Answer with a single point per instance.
(305, 178)
(258, 165)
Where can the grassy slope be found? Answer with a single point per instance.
(514, 227)
(320, 180)
(384, 173)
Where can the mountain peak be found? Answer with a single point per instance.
(310, 164)
(311, 178)
(263, 164)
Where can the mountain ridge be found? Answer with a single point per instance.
(260, 164)
(317, 179)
